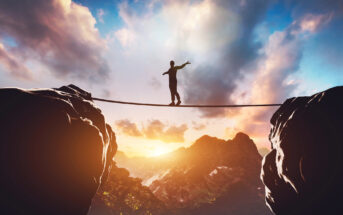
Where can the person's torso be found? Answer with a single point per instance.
(172, 74)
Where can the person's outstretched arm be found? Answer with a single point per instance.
(183, 65)
(165, 73)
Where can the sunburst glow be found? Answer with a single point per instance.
(158, 151)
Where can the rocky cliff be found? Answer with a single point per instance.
(303, 172)
(55, 151)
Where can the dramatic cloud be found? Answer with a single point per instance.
(272, 81)
(214, 81)
(60, 34)
(128, 128)
(232, 60)
(155, 130)
(217, 36)
(271, 78)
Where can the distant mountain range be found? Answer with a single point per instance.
(212, 176)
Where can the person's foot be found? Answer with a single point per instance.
(178, 102)
(172, 104)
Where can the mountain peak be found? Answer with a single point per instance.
(206, 139)
(244, 142)
(240, 137)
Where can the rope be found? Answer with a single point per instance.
(187, 106)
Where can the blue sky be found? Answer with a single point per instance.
(241, 51)
(112, 20)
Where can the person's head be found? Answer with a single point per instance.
(172, 63)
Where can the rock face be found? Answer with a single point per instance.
(214, 176)
(56, 149)
(303, 173)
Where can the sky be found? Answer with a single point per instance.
(241, 52)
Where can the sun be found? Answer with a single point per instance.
(158, 151)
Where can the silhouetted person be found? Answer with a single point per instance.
(173, 81)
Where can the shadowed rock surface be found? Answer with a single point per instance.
(55, 151)
(303, 172)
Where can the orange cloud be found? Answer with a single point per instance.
(154, 130)
(128, 128)
(158, 130)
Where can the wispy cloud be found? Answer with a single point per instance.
(100, 13)
(198, 126)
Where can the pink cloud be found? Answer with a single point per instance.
(60, 34)
(312, 23)
(12, 65)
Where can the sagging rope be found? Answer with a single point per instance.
(187, 106)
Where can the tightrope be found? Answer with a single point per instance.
(188, 106)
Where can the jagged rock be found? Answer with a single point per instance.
(56, 149)
(303, 172)
(214, 176)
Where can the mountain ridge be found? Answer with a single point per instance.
(212, 176)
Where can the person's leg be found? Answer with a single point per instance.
(177, 95)
(178, 98)
(172, 96)
(172, 93)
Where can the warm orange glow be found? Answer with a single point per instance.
(158, 151)
(144, 147)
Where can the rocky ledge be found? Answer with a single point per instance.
(56, 150)
(303, 172)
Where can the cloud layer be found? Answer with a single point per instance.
(271, 81)
(155, 130)
(217, 36)
(234, 59)
(59, 34)
(215, 80)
